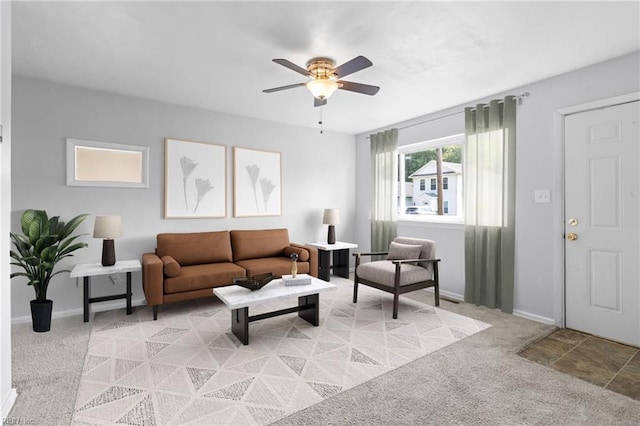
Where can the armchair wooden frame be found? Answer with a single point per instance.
(397, 289)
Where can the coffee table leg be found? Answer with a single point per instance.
(240, 324)
(311, 315)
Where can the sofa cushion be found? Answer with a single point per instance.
(197, 277)
(303, 255)
(171, 267)
(195, 248)
(278, 266)
(258, 244)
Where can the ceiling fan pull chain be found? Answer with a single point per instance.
(320, 122)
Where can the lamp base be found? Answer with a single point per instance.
(108, 253)
(331, 237)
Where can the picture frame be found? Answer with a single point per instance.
(195, 179)
(105, 164)
(257, 182)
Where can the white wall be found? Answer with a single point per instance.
(317, 173)
(539, 227)
(7, 394)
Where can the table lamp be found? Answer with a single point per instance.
(331, 217)
(108, 228)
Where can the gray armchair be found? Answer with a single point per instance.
(410, 265)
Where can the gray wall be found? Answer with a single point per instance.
(317, 173)
(539, 227)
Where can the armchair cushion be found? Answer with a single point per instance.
(384, 271)
(171, 267)
(398, 251)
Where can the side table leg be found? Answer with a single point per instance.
(324, 265)
(341, 263)
(240, 324)
(310, 315)
(128, 293)
(87, 295)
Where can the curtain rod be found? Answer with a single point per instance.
(518, 97)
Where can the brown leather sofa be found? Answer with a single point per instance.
(189, 265)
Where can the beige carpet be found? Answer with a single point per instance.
(187, 368)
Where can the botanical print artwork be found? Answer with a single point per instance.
(195, 179)
(257, 178)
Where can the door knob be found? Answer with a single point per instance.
(571, 236)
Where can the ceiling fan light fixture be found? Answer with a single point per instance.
(322, 88)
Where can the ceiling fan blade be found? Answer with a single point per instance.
(292, 66)
(277, 89)
(365, 89)
(356, 64)
(319, 102)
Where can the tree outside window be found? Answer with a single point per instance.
(438, 162)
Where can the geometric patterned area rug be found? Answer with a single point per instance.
(188, 368)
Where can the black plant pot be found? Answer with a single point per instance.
(41, 315)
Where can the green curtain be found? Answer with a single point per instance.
(384, 189)
(489, 193)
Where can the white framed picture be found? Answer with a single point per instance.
(257, 183)
(195, 179)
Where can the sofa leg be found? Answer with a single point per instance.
(355, 291)
(155, 312)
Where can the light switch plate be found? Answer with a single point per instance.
(542, 195)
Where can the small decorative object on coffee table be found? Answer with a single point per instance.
(301, 279)
(255, 282)
(294, 264)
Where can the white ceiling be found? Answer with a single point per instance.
(426, 56)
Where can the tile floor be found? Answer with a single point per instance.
(604, 363)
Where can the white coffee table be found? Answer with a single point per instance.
(240, 299)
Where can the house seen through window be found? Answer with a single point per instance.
(438, 163)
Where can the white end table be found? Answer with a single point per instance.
(340, 259)
(88, 270)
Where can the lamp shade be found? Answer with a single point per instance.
(107, 227)
(331, 217)
(322, 88)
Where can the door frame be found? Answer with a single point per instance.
(560, 312)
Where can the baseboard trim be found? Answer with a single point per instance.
(460, 298)
(7, 404)
(534, 317)
(103, 306)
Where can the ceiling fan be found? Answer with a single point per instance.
(326, 77)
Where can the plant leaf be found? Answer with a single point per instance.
(71, 226)
(26, 219)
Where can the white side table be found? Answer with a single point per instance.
(88, 270)
(340, 259)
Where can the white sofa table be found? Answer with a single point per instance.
(240, 299)
(88, 270)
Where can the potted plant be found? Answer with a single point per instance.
(45, 242)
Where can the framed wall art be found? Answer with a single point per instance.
(195, 179)
(94, 163)
(257, 183)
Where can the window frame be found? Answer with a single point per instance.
(456, 139)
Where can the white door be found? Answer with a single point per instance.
(602, 199)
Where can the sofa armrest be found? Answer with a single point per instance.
(313, 258)
(152, 279)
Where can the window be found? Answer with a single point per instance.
(418, 164)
